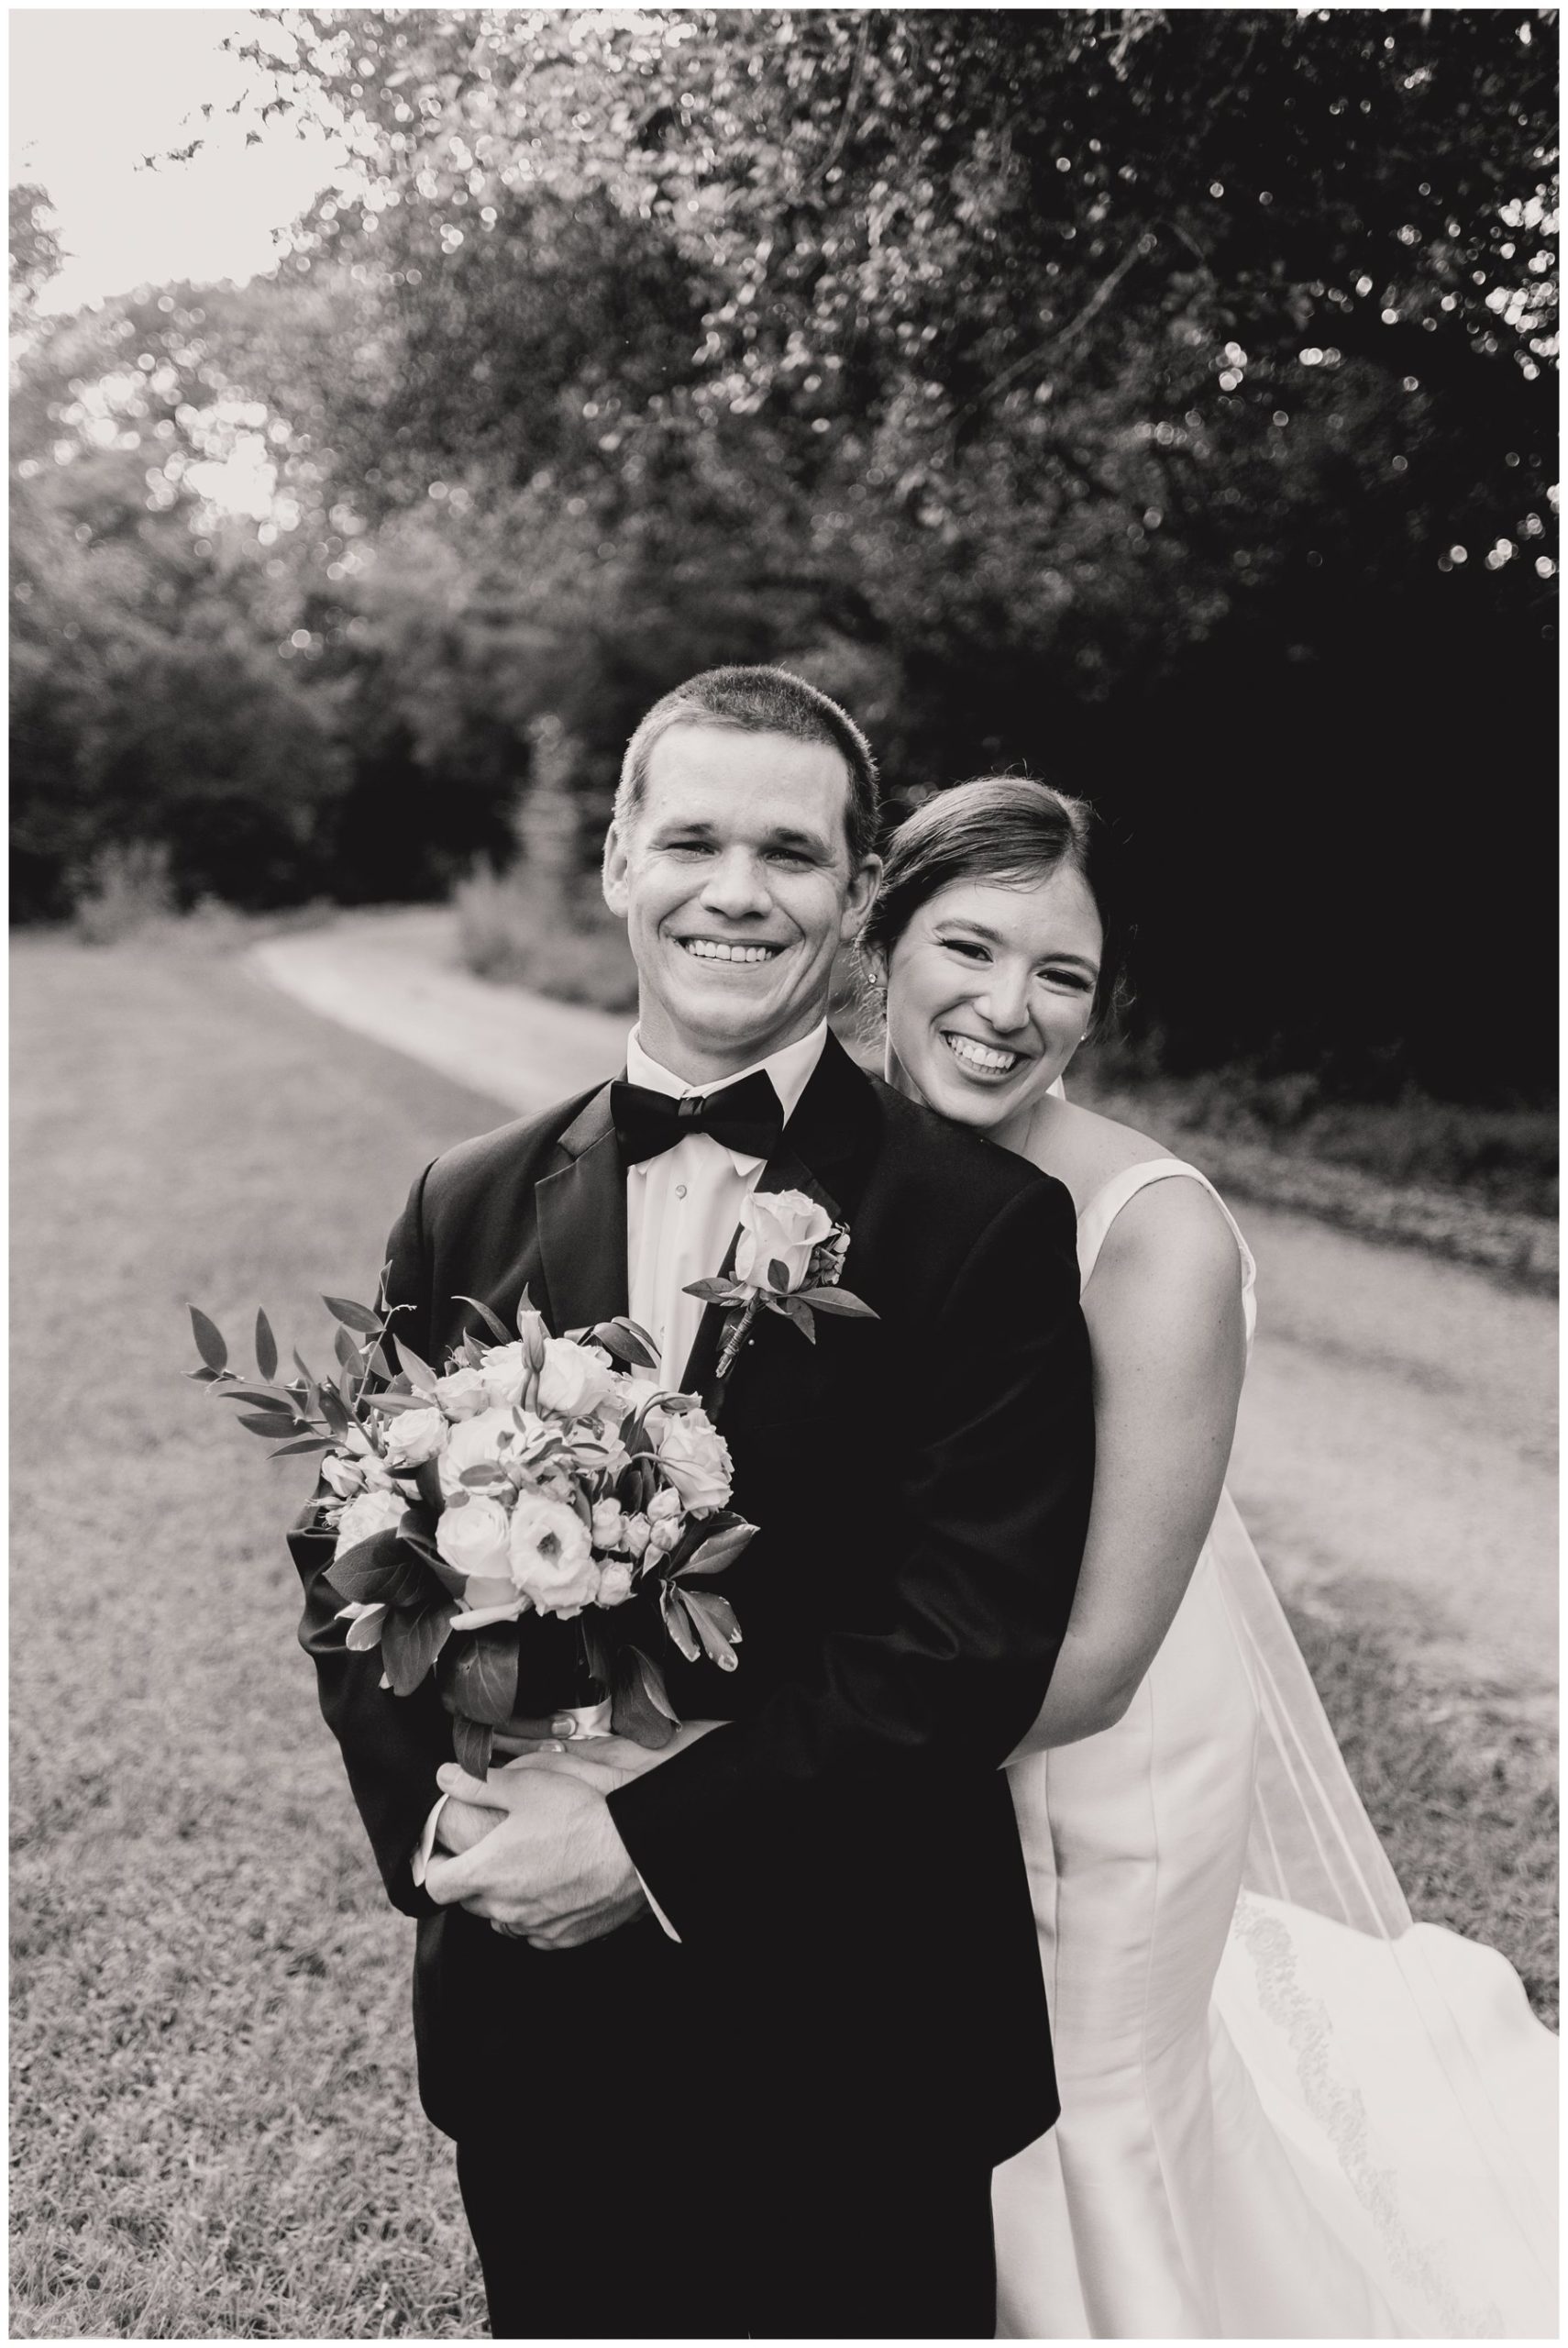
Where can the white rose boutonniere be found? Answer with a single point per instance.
(789, 1254)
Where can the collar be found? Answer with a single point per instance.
(790, 1071)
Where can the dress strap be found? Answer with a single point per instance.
(1111, 1197)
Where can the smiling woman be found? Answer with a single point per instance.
(993, 910)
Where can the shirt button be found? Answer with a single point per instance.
(681, 1190)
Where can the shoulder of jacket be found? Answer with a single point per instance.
(506, 1153)
(975, 1178)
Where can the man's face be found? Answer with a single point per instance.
(735, 885)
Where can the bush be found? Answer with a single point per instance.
(1502, 1158)
(126, 887)
(514, 928)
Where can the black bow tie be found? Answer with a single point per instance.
(747, 1117)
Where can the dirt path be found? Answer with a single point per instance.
(1395, 1459)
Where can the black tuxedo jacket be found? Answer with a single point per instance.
(839, 1860)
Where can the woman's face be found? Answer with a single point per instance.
(989, 990)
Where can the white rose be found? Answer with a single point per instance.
(473, 1540)
(412, 1437)
(343, 1477)
(551, 1556)
(638, 1534)
(372, 1467)
(665, 1535)
(503, 1373)
(575, 1379)
(631, 1394)
(609, 1525)
(484, 1441)
(779, 1228)
(615, 1583)
(371, 1512)
(664, 1504)
(461, 1393)
(696, 1458)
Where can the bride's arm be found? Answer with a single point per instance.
(1168, 1341)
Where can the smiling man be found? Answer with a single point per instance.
(731, 2036)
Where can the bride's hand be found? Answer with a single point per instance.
(602, 1762)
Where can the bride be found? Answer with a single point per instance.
(1288, 2111)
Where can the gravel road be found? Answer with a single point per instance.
(1395, 1459)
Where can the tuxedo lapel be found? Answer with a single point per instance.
(582, 1210)
(825, 1150)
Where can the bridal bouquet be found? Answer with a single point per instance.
(533, 1482)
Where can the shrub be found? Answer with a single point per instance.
(564, 941)
(126, 887)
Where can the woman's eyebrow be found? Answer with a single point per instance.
(994, 937)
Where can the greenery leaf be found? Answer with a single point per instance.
(625, 1342)
(209, 1338)
(266, 1346)
(421, 1377)
(383, 1571)
(792, 1308)
(270, 1423)
(479, 1672)
(353, 1316)
(493, 1322)
(472, 1743)
(716, 1625)
(677, 1622)
(317, 1443)
(365, 1631)
(412, 1640)
(634, 1710)
(717, 1291)
(837, 1300)
(334, 1411)
(719, 1550)
(779, 1276)
(390, 1405)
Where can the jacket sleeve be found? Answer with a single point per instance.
(392, 1745)
(1000, 1474)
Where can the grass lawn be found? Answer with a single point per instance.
(214, 2128)
(215, 2131)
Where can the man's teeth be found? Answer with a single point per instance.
(713, 950)
(981, 1056)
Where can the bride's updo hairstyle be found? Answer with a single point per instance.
(1003, 828)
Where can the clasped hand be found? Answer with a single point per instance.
(533, 1847)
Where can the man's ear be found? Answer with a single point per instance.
(613, 875)
(863, 886)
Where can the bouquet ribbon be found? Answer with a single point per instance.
(587, 1720)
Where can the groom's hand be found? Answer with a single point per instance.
(552, 1870)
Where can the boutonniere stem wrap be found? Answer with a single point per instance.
(788, 1255)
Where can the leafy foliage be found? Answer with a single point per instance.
(1162, 400)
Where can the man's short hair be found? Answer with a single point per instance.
(759, 701)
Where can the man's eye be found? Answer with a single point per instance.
(786, 856)
(687, 847)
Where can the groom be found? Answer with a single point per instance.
(730, 2043)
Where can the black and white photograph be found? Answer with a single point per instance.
(784, 1074)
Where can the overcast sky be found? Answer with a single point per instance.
(92, 91)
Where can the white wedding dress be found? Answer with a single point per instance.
(1288, 2111)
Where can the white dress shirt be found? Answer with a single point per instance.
(683, 1205)
(682, 1208)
